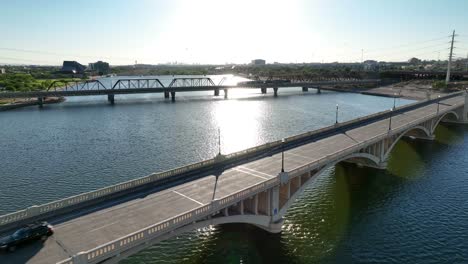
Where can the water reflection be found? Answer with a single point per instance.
(238, 123)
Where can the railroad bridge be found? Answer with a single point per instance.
(254, 186)
(177, 85)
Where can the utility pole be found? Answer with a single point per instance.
(447, 78)
(219, 141)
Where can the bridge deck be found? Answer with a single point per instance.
(84, 232)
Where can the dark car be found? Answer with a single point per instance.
(26, 234)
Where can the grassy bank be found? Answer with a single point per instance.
(22, 82)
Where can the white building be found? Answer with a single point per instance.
(2, 71)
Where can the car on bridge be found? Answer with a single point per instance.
(26, 234)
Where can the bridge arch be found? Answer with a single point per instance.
(365, 158)
(449, 116)
(416, 131)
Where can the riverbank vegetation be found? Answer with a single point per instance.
(22, 82)
(31, 78)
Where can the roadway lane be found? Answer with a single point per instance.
(85, 232)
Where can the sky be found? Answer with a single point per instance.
(229, 31)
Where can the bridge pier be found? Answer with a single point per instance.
(275, 90)
(263, 90)
(173, 96)
(111, 98)
(166, 94)
(465, 109)
(319, 91)
(305, 89)
(225, 93)
(216, 92)
(40, 101)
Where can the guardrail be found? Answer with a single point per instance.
(114, 247)
(35, 210)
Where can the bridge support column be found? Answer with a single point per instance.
(305, 89)
(225, 93)
(166, 94)
(319, 91)
(250, 205)
(173, 96)
(110, 98)
(275, 203)
(216, 92)
(465, 109)
(275, 90)
(40, 101)
(263, 90)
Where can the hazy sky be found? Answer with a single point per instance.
(220, 31)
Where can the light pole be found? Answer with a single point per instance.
(219, 141)
(438, 103)
(336, 119)
(390, 121)
(282, 155)
(394, 101)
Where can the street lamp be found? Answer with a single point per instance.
(282, 155)
(219, 141)
(394, 101)
(390, 122)
(336, 119)
(438, 103)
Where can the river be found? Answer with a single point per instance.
(413, 212)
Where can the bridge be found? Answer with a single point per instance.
(254, 186)
(154, 85)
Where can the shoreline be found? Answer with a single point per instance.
(411, 90)
(30, 102)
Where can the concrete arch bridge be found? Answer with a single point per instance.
(255, 186)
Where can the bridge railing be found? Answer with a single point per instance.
(148, 233)
(35, 210)
(84, 197)
(354, 148)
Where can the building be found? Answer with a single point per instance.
(371, 65)
(258, 62)
(99, 67)
(72, 67)
(2, 71)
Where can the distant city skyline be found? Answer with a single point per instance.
(218, 32)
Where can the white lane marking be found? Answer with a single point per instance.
(252, 172)
(298, 155)
(101, 227)
(187, 197)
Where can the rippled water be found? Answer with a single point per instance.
(414, 212)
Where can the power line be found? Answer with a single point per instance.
(63, 54)
(24, 60)
(398, 46)
(408, 44)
